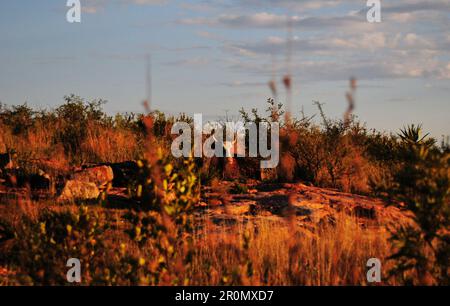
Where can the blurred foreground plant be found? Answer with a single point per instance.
(44, 245)
(163, 219)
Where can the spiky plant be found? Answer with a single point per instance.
(423, 184)
(412, 134)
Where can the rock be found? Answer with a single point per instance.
(237, 210)
(87, 184)
(41, 180)
(101, 176)
(124, 173)
(79, 190)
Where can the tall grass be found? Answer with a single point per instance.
(255, 252)
(76, 133)
(282, 255)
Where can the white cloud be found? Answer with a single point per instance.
(334, 38)
(94, 6)
(266, 20)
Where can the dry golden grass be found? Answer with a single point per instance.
(37, 148)
(104, 144)
(283, 255)
(278, 252)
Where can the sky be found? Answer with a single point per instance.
(214, 57)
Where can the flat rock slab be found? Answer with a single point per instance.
(309, 205)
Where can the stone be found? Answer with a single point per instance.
(124, 173)
(41, 180)
(101, 176)
(79, 190)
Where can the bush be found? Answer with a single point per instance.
(73, 122)
(44, 245)
(422, 184)
(18, 118)
(332, 156)
(164, 217)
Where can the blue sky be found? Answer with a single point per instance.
(215, 56)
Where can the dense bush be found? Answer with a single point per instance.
(335, 154)
(422, 184)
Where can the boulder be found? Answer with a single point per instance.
(79, 190)
(101, 176)
(124, 173)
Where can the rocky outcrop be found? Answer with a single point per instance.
(308, 206)
(76, 190)
(87, 184)
(124, 173)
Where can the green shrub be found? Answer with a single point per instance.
(164, 219)
(44, 245)
(19, 118)
(73, 121)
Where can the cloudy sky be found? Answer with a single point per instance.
(214, 57)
